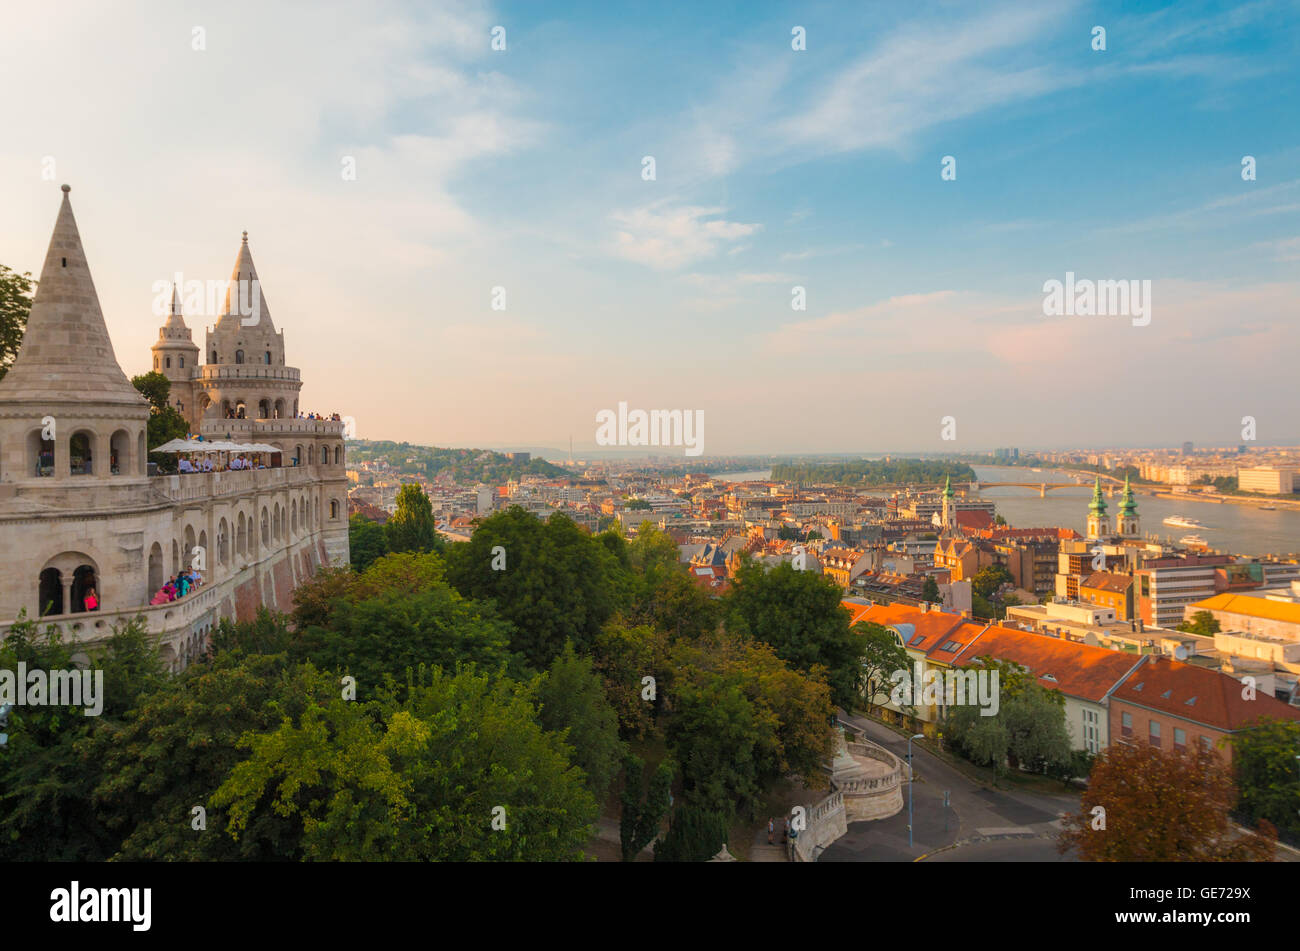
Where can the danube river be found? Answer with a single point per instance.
(1240, 529)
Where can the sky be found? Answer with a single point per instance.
(180, 125)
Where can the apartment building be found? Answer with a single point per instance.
(1175, 706)
(1166, 586)
(1273, 480)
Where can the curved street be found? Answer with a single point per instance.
(979, 825)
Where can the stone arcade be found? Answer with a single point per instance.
(79, 509)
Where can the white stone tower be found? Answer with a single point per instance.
(176, 356)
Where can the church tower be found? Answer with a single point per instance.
(1098, 521)
(176, 356)
(949, 505)
(1129, 525)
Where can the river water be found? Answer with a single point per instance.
(1239, 529)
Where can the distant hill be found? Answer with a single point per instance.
(465, 465)
(874, 472)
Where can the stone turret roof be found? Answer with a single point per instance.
(176, 319)
(66, 354)
(250, 293)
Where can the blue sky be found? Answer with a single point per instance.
(775, 168)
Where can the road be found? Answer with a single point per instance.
(980, 825)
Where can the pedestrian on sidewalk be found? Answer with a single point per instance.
(769, 831)
(785, 831)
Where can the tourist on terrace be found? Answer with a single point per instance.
(185, 465)
(91, 600)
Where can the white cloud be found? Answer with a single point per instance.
(672, 237)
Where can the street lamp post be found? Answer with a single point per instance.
(911, 781)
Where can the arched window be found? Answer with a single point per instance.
(324, 455)
(334, 508)
(51, 592)
(223, 549)
(182, 359)
(239, 356)
(279, 409)
(79, 456)
(203, 547)
(169, 363)
(338, 455)
(266, 526)
(155, 569)
(214, 356)
(155, 363)
(241, 410)
(268, 358)
(293, 518)
(142, 467)
(83, 579)
(298, 460)
(241, 537)
(40, 454)
(119, 453)
(264, 409)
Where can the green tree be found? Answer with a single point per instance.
(459, 771)
(48, 769)
(386, 634)
(716, 736)
(1027, 731)
(558, 582)
(989, 579)
(930, 590)
(695, 834)
(626, 655)
(412, 528)
(882, 656)
(799, 613)
(165, 421)
(15, 305)
(643, 809)
(179, 746)
(1202, 622)
(367, 542)
(572, 699)
(1268, 772)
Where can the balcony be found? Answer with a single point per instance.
(197, 486)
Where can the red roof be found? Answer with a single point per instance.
(1079, 670)
(974, 519)
(1198, 694)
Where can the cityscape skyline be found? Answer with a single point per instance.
(776, 169)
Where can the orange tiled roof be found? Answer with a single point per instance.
(1075, 669)
(1198, 694)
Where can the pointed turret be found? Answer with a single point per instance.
(948, 493)
(66, 354)
(1098, 503)
(1127, 504)
(176, 356)
(245, 303)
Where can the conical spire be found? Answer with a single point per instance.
(1098, 503)
(245, 301)
(176, 319)
(1127, 504)
(947, 488)
(66, 354)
